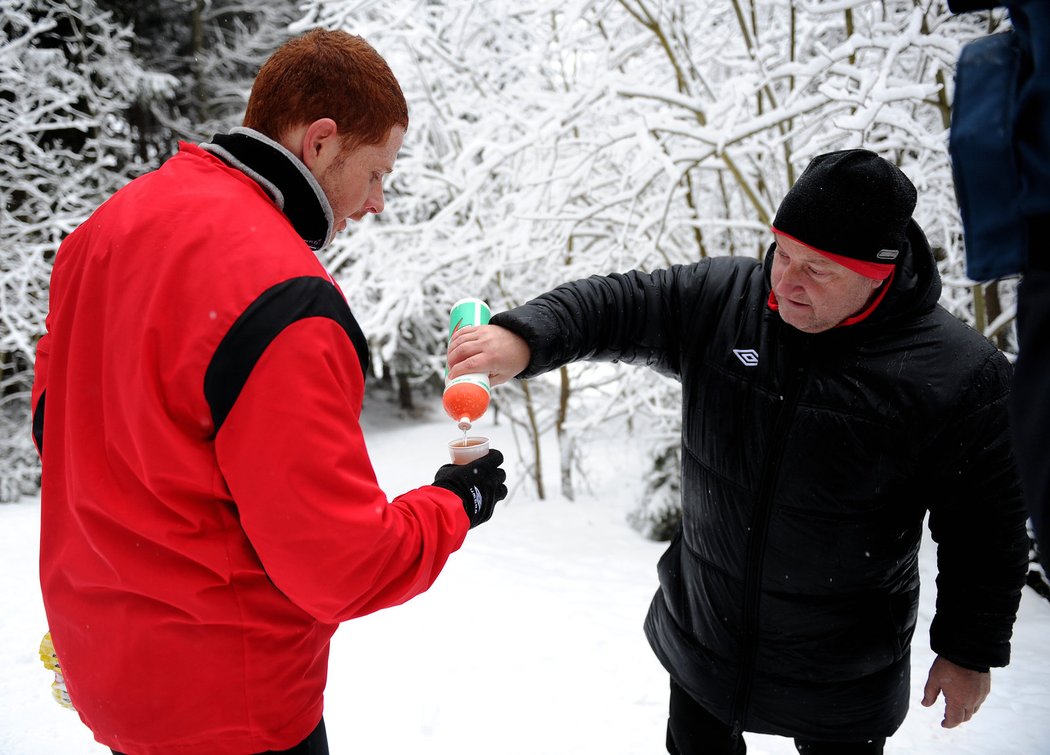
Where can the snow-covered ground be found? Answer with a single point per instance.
(530, 643)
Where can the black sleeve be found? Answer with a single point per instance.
(631, 317)
(978, 521)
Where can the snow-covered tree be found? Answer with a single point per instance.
(555, 140)
(213, 49)
(66, 75)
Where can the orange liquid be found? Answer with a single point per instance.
(467, 443)
(465, 400)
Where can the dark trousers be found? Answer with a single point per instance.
(314, 744)
(1030, 402)
(691, 730)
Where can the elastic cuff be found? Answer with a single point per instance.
(968, 666)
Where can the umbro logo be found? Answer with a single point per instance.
(747, 357)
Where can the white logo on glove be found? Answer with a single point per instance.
(477, 499)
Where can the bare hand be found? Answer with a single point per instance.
(488, 349)
(964, 691)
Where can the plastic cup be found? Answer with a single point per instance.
(466, 450)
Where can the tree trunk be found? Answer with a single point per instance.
(566, 443)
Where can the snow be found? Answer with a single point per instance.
(530, 642)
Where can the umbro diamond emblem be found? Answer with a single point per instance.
(747, 357)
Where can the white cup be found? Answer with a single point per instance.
(466, 450)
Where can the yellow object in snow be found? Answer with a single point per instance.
(50, 660)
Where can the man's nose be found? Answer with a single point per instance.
(376, 202)
(790, 276)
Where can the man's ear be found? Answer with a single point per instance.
(320, 143)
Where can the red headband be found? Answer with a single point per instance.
(879, 271)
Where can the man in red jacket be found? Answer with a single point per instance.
(209, 510)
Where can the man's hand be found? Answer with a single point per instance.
(479, 484)
(489, 349)
(964, 691)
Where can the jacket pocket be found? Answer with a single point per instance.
(834, 638)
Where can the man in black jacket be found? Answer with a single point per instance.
(829, 402)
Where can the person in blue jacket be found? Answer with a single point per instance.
(1000, 146)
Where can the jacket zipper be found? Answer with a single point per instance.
(756, 555)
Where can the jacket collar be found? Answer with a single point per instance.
(284, 177)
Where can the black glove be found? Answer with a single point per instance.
(479, 484)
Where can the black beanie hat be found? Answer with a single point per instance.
(852, 204)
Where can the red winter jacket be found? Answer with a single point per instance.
(209, 510)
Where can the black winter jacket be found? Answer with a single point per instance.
(788, 598)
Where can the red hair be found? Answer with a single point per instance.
(327, 74)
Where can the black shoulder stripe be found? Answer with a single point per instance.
(274, 310)
(38, 424)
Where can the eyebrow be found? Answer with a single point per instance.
(819, 262)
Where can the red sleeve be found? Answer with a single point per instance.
(294, 458)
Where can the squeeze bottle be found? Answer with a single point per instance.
(467, 397)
